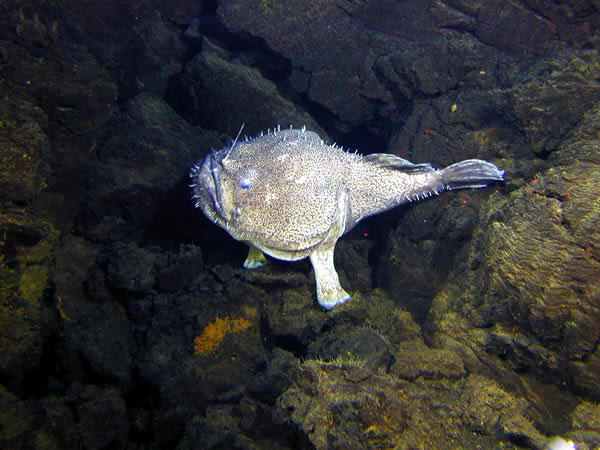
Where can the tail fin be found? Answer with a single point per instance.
(471, 173)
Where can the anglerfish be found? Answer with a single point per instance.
(290, 195)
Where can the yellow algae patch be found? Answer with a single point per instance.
(34, 280)
(216, 331)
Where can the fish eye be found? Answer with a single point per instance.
(245, 183)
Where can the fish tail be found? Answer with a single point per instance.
(471, 173)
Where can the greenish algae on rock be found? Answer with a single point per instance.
(26, 255)
(525, 306)
(23, 143)
(343, 404)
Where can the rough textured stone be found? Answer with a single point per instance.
(65, 81)
(15, 420)
(297, 30)
(270, 384)
(531, 296)
(416, 360)
(103, 417)
(360, 344)
(23, 147)
(143, 169)
(162, 52)
(553, 96)
(223, 95)
(340, 403)
(26, 317)
(181, 270)
(125, 318)
(101, 338)
(132, 270)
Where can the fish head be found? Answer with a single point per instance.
(273, 192)
(221, 186)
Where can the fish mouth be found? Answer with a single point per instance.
(208, 188)
(216, 185)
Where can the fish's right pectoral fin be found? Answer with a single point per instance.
(329, 290)
(330, 298)
(255, 259)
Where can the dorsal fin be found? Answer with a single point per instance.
(396, 163)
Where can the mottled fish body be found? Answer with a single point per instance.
(290, 195)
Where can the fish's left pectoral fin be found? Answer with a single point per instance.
(329, 290)
(255, 259)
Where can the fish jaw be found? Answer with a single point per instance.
(207, 189)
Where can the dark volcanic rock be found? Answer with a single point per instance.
(272, 276)
(103, 418)
(297, 30)
(181, 270)
(199, 348)
(139, 170)
(585, 421)
(223, 95)
(553, 96)
(352, 263)
(56, 74)
(132, 269)
(247, 425)
(23, 149)
(292, 318)
(15, 420)
(126, 320)
(159, 51)
(101, 342)
(340, 403)
(26, 317)
(419, 254)
(507, 26)
(270, 384)
(416, 360)
(388, 53)
(527, 299)
(362, 344)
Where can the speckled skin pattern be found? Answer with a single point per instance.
(292, 196)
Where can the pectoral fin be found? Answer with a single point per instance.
(255, 258)
(329, 290)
